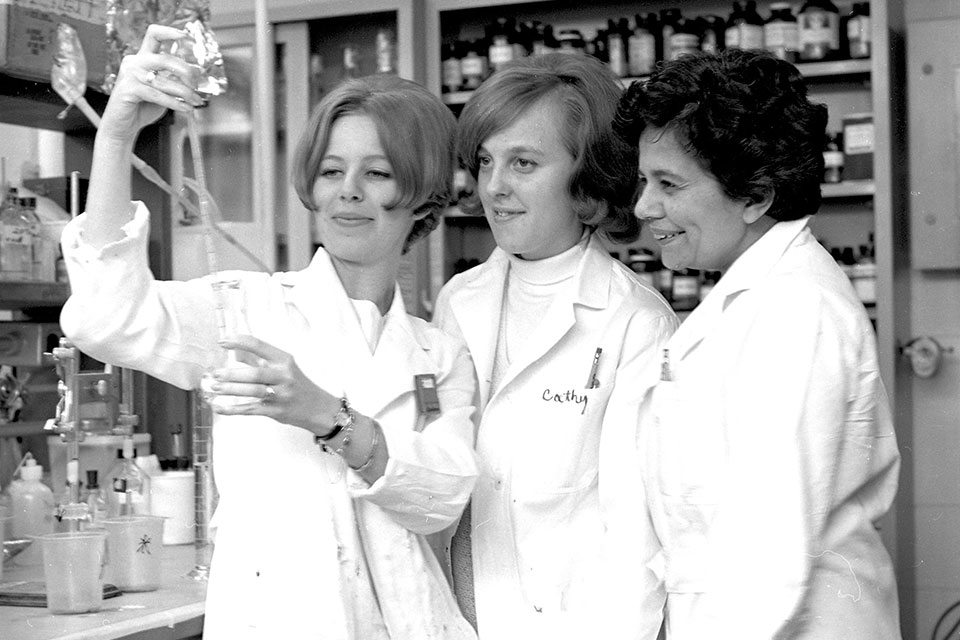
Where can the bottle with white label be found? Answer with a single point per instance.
(781, 33)
(819, 30)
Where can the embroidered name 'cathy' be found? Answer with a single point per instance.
(566, 396)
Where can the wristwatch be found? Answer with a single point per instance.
(342, 421)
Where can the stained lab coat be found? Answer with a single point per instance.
(770, 453)
(304, 547)
(555, 510)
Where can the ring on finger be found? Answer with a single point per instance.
(151, 76)
(269, 395)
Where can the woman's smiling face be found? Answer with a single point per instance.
(685, 207)
(523, 180)
(354, 182)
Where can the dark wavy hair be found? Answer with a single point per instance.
(605, 167)
(416, 130)
(746, 116)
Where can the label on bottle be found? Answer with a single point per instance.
(642, 53)
(858, 138)
(780, 37)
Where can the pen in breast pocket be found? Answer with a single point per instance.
(592, 382)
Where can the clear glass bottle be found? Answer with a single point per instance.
(129, 492)
(18, 233)
(96, 500)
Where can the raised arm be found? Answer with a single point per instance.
(148, 84)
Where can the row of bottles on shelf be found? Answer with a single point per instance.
(352, 64)
(27, 254)
(813, 32)
(36, 510)
(684, 289)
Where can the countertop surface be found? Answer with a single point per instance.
(175, 610)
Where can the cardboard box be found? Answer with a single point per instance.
(28, 36)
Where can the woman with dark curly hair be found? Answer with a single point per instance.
(564, 339)
(767, 446)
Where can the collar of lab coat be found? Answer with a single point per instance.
(342, 363)
(751, 268)
(478, 304)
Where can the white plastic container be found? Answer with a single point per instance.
(171, 496)
(31, 506)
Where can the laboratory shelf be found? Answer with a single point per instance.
(20, 295)
(848, 189)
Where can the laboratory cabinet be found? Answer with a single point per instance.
(315, 46)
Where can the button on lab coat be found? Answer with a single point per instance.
(770, 453)
(304, 547)
(556, 507)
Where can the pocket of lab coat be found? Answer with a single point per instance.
(689, 457)
(689, 444)
(557, 449)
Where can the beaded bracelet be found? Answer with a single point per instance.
(374, 442)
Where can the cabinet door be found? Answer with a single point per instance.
(934, 90)
(234, 158)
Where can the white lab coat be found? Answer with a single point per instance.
(304, 547)
(555, 510)
(770, 453)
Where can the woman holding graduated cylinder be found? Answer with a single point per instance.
(331, 543)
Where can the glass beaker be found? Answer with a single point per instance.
(231, 321)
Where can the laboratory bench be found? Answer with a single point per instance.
(172, 612)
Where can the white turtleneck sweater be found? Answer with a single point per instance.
(530, 289)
